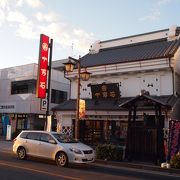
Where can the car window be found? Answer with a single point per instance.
(33, 135)
(45, 137)
(63, 138)
(23, 135)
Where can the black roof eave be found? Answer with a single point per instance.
(167, 101)
(134, 99)
(132, 53)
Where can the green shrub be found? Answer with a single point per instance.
(175, 162)
(109, 152)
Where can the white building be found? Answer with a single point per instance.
(18, 102)
(133, 90)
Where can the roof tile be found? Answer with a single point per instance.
(140, 51)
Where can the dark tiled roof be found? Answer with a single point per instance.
(140, 51)
(91, 105)
(112, 105)
(166, 101)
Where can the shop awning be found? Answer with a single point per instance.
(116, 105)
(145, 100)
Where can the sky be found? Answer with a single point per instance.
(74, 25)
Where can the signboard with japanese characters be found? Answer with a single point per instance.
(43, 67)
(9, 107)
(105, 91)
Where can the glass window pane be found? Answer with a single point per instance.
(33, 135)
(57, 96)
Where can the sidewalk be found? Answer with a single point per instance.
(140, 166)
(7, 146)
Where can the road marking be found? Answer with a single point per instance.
(39, 171)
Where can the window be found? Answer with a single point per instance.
(22, 121)
(23, 87)
(46, 137)
(57, 96)
(23, 135)
(33, 136)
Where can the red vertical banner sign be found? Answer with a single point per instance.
(43, 67)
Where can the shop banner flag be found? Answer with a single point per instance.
(174, 138)
(82, 108)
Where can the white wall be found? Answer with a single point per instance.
(157, 83)
(28, 71)
(166, 83)
(130, 86)
(128, 40)
(26, 103)
(177, 83)
(66, 121)
(177, 61)
(134, 39)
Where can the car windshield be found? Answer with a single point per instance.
(63, 138)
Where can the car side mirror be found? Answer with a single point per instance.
(52, 141)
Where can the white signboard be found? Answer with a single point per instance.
(7, 107)
(43, 105)
(8, 135)
(49, 122)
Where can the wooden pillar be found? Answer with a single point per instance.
(160, 135)
(128, 151)
(159, 110)
(102, 131)
(134, 135)
(134, 114)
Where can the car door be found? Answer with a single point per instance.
(46, 148)
(32, 143)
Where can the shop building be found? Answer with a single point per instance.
(132, 94)
(18, 103)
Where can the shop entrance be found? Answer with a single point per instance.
(91, 132)
(94, 132)
(22, 122)
(146, 140)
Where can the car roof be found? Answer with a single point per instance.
(39, 131)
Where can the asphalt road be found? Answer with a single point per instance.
(32, 169)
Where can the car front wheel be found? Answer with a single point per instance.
(61, 159)
(21, 153)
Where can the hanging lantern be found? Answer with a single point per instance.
(69, 66)
(85, 75)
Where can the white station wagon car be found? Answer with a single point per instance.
(52, 145)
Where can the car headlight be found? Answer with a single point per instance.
(77, 151)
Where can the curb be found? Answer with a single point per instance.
(139, 165)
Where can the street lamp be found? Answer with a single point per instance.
(84, 75)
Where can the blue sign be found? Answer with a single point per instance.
(5, 122)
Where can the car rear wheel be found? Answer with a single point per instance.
(61, 159)
(21, 153)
